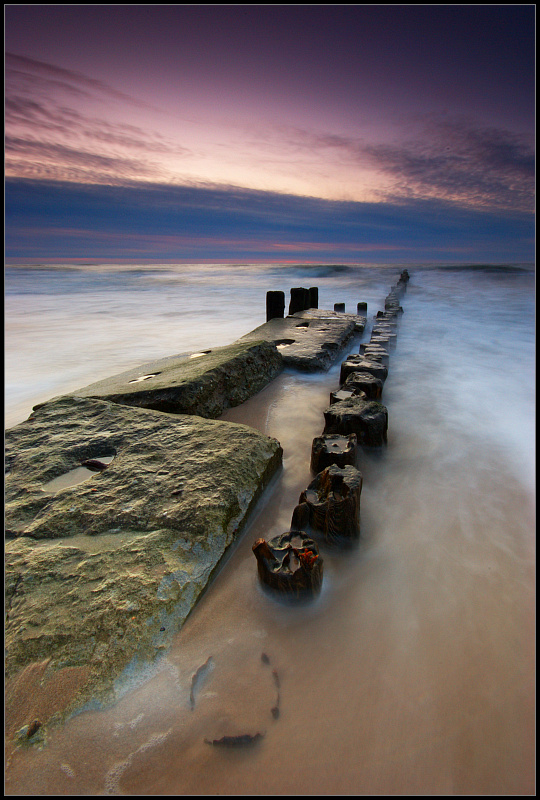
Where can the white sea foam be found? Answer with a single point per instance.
(472, 331)
(114, 775)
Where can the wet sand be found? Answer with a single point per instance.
(412, 673)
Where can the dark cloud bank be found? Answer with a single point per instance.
(61, 220)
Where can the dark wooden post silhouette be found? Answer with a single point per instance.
(275, 305)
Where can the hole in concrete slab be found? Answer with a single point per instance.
(202, 353)
(77, 475)
(144, 377)
(303, 325)
(281, 343)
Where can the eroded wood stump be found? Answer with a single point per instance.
(377, 353)
(367, 418)
(363, 382)
(275, 305)
(290, 564)
(404, 277)
(359, 363)
(332, 502)
(341, 394)
(344, 393)
(391, 303)
(386, 331)
(333, 449)
(299, 300)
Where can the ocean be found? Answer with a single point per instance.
(67, 326)
(413, 672)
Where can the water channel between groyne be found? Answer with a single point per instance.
(402, 677)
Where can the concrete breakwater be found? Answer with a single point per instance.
(101, 573)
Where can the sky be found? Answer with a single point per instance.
(316, 133)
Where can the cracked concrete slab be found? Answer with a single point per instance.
(309, 340)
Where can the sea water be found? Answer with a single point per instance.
(67, 326)
(413, 672)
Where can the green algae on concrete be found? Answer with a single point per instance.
(105, 572)
(205, 383)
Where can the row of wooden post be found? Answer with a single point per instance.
(290, 563)
(301, 300)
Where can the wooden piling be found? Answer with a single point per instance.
(275, 305)
(299, 300)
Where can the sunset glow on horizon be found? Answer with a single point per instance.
(205, 132)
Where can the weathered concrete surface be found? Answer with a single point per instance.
(309, 340)
(100, 575)
(205, 384)
(319, 313)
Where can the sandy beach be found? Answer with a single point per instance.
(412, 673)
